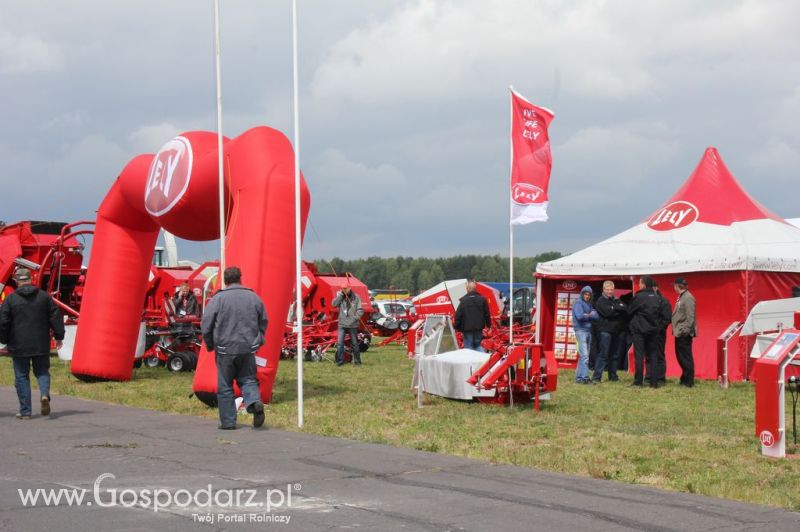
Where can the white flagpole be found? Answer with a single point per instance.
(510, 218)
(221, 174)
(298, 286)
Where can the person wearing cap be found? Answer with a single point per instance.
(583, 314)
(684, 329)
(26, 318)
(350, 312)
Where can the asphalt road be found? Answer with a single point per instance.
(181, 473)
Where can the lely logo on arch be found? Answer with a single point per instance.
(169, 176)
(526, 194)
(676, 215)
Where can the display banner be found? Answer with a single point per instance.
(530, 161)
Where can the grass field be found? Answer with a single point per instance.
(696, 440)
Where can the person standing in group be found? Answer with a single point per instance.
(684, 329)
(644, 327)
(609, 327)
(350, 312)
(583, 314)
(664, 320)
(233, 326)
(26, 318)
(472, 316)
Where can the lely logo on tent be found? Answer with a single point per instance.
(170, 173)
(674, 216)
(526, 194)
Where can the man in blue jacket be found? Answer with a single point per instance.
(26, 318)
(233, 325)
(583, 314)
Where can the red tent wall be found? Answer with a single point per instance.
(722, 298)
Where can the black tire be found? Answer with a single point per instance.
(192, 360)
(152, 362)
(179, 362)
(404, 326)
(137, 363)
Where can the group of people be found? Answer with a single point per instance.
(612, 325)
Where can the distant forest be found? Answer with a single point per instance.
(417, 274)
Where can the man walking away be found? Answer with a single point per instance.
(609, 328)
(582, 317)
(472, 316)
(644, 327)
(684, 329)
(350, 312)
(26, 318)
(233, 326)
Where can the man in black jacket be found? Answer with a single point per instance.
(644, 327)
(664, 320)
(26, 318)
(472, 316)
(612, 320)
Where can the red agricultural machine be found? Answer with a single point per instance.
(54, 254)
(320, 326)
(173, 339)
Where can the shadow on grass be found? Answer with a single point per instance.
(288, 394)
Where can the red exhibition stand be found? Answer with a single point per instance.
(770, 375)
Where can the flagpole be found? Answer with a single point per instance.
(220, 170)
(510, 294)
(298, 286)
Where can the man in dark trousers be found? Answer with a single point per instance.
(609, 327)
(644, 327)
(472, 315)
(684, 329)
(350, 313)
(26, 318)
(664, 320)
(233, 326)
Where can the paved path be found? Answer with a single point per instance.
(334, 484)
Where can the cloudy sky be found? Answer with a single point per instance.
(404, 107)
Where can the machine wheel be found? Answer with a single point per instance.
(137, 363)
(403, 325)
(192, 360)
(179, 362)
(364, 343)
(152, 362)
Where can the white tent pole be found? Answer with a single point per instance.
(221, 174)
(510, 294)
(298, 286)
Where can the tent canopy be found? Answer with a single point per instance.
(710, 224)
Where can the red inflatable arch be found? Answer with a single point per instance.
(177, 189)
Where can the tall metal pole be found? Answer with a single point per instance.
(510, 218)
(221, 175)
(298, 287)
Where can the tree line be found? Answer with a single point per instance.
(418, 274)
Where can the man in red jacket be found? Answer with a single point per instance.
(26, 318)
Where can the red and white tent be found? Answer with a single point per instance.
(732, 251)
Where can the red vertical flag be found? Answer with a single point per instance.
(530, 161)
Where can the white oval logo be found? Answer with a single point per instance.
(442, 299)
(569, 285)
(767, 438)
(674, 216)
(526, 194)
(169, 176)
